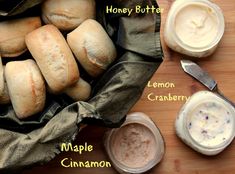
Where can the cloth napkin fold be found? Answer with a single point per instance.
(137, 38)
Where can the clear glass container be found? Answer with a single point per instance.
(175, 42)
(158, 152)
(206, 123)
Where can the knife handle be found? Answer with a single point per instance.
(216, 90)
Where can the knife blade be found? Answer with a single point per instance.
(198, 73)
(202, 76)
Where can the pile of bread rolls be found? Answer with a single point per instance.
(52, 67)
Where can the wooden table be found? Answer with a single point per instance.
(178, 157)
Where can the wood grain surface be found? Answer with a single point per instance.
(178, 157)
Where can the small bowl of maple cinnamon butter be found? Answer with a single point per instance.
(135, 147)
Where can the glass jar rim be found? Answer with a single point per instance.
(221, 25)
(204, 147)
(136, 119)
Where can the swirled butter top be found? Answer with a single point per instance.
(196, 25)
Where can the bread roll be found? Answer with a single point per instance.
(4, 96)
(26, 87)
(1, 77)
(92, 47)
(80, 91)
(67, 14)
(12, 34)
(54, 58)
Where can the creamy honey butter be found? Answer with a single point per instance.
(194, 27)
(206, 123)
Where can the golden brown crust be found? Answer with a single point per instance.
(80, 91)
(12, 35)
(92, 47)
(4, 96)
(54, 58)
(1, 77)
(26, 87)
(67, 14)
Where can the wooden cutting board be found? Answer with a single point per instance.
(178, 157)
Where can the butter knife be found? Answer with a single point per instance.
(202, 76)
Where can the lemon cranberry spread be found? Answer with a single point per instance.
(210, 124)
(206, 123)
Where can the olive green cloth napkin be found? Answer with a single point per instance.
(37, 140)
(14, 7)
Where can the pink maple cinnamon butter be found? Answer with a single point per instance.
(135, 147)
